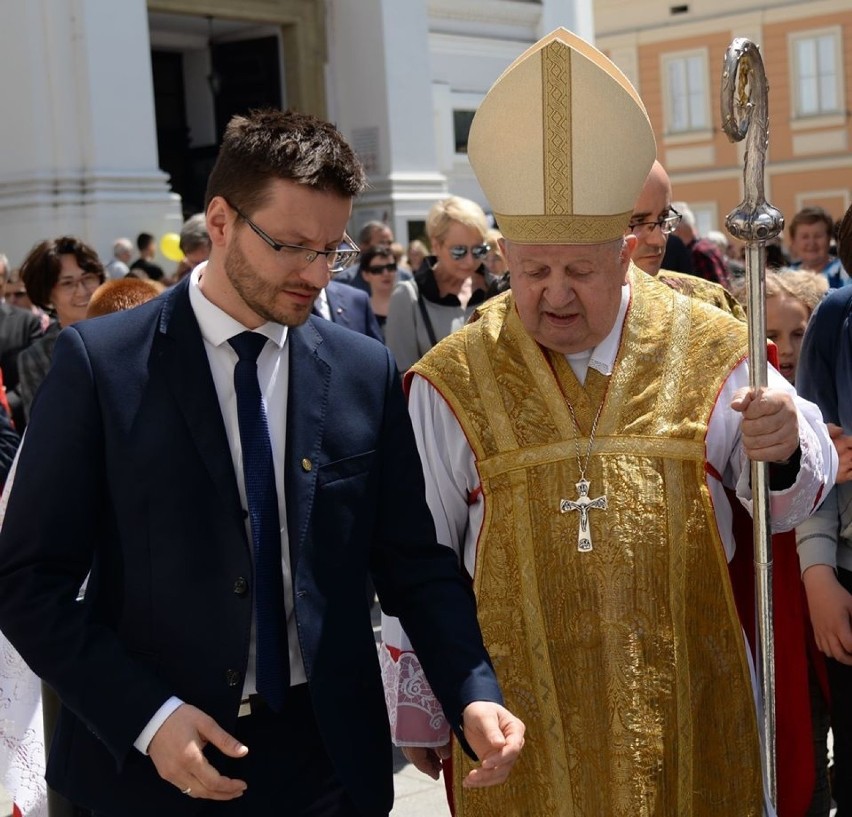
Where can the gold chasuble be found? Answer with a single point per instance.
(626, 662)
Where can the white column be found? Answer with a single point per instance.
(575, 15)
(79, 146)
(380, 95)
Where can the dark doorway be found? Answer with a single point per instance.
(249, 76)
(172, 129)
(246, 74)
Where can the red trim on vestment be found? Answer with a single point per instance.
(394, 652)
(711, 471)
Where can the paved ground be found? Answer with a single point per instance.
(416, 794)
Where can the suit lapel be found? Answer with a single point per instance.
(187, 371)
(310, 377)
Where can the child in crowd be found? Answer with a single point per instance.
(791, 297)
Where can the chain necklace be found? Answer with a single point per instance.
(583, 504)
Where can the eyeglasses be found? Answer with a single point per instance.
(667, 224)
(336, 260)
(378, 270)
(459, 251)
(90, 281)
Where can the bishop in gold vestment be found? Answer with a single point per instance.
(593, 394)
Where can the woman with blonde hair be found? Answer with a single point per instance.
(446, 288)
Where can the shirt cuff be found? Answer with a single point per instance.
(147, 734)
(783, 475)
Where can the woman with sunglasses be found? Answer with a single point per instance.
(378, 267)
(60, 276)
(448, 285)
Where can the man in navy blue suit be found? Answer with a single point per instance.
(178, 450)
(348, 307)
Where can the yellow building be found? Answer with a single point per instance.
(674, 52)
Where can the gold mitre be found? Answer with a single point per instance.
(561, 145)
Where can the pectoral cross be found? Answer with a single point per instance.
(583, 504)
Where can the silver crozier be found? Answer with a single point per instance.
(755, 221)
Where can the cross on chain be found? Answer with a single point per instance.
(583, 504)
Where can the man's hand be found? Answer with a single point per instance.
(831, 612)
(176, 750)
(770, 423)
(426, 759)
(497, 737)
(843, 444)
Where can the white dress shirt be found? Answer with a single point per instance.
(217, 327)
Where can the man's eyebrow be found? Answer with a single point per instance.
(640, 215)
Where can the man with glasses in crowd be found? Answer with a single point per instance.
(653, 222)
(230, 469)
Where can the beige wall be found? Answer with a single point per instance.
(809, 162)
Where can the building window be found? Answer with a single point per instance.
(686, 93)
(461, 129)
(816, 73)
(706, 217)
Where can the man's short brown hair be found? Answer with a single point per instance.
(270, 144)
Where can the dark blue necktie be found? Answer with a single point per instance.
(273, 661)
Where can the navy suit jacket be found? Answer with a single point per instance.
(126, 470)
(351, 308)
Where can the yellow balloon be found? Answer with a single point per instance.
(170, 247)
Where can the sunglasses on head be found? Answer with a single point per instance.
(380, 268)
(459, 251)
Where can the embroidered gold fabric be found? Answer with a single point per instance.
(707, 291)
(626, 663)
(556, 128)
(562, 229)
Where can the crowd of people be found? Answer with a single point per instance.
(556, 524)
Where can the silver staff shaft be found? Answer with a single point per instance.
(745, 116)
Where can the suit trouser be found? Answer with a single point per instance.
(287, 769)
(840, 684)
